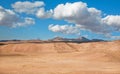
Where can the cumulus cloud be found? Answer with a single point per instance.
(26, 21)
(41, 13)
(27, 6)
(10, 18)
(66, 29)
(35, 8)
(77, 13)
(7, 17)
(70, 10)
(113, 20)
(82, 16)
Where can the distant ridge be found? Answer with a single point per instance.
(57, 39)
(80, 39)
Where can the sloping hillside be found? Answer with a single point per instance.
(91, 49)
(60, 58)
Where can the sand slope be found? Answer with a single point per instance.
(60, 58)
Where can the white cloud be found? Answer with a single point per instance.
(70, 10)
(27, 6)
(84, 18)
(113, 20)
(35, 8)
(7, 17)
(79, 14)
(26, 21)
(66, 29)
(41, 13)
(11, 19)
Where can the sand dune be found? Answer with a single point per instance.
(60, 58)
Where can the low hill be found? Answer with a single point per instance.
(104, 49)
(60, 57)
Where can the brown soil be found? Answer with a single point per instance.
(60, 58)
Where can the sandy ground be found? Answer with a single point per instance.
(60, 58)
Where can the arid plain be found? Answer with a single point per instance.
(60, 58)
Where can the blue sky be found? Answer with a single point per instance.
(39, 30)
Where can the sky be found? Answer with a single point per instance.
(46, 19)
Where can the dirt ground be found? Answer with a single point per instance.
(60, 58)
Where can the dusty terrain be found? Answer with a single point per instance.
(60, 58)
